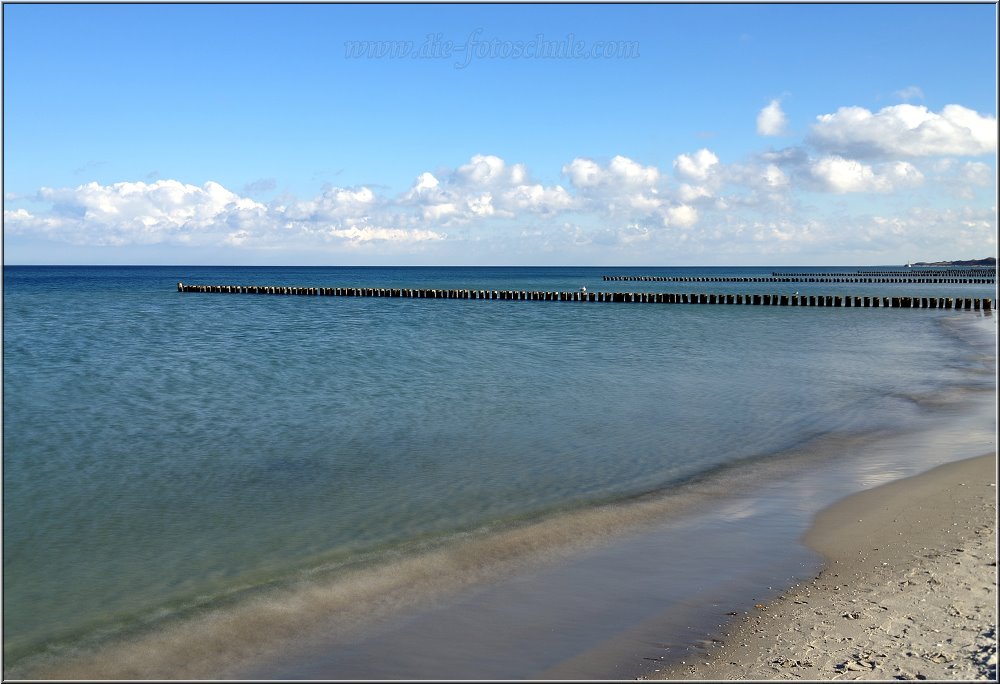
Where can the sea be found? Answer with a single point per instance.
(288, 487)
